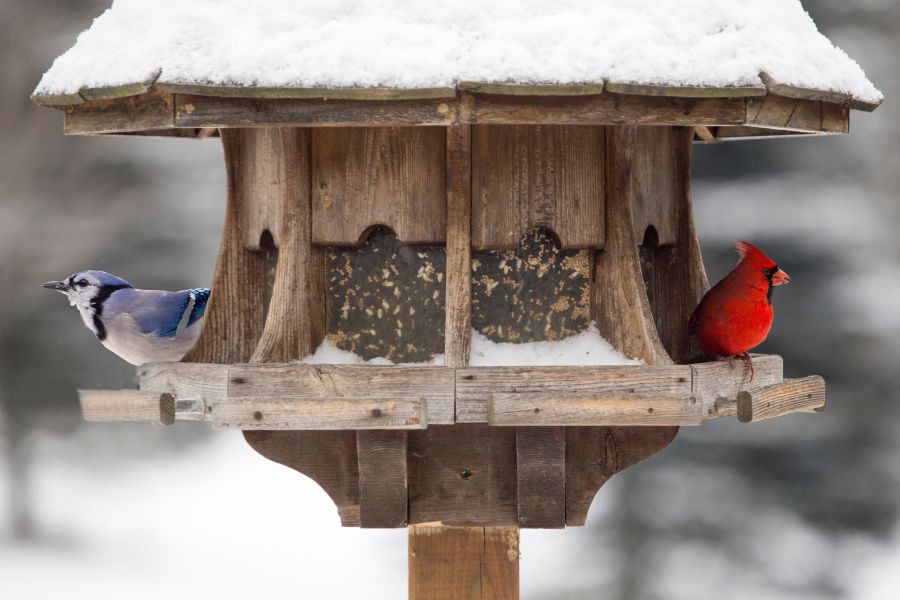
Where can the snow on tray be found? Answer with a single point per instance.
(398, 44)
(585, 348)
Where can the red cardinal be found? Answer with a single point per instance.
(736, 314)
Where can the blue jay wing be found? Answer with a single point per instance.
(201, 297)
(159, 313)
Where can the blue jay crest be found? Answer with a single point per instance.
(140, 326)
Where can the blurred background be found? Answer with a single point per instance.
(797, 508)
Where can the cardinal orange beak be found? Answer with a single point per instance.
(780, 277)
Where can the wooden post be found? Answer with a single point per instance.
(461, 562)
(450, 563)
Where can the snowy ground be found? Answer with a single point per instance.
(220, 521)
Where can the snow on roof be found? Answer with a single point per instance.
(413, 45)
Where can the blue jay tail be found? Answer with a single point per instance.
(59, 286)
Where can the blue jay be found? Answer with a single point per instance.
(141, 326)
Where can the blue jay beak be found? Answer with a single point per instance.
(59, 286)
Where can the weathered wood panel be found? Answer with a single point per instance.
(382, 478)
(151, 111)
(458, 308)
(673, 274)
(327, 457)
(462, 475)
(542, 409)
(127, 405)
(780, 112)
(793, 395)
(535, 292)
(387, 300)
(475, 385)
(526, 176)
(206, 111)
(365, 176)
(599, 109)
(332, 413)
(472, 563)
(334, 382)
(541, 475)
(235, 315)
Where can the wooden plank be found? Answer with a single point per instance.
(793, 395)
(304, 413)
(462, 475)
(620, 306)
(278, 174)
(526, 89)
(315, 93)
(458, 304)
(526, 176)
(207, 111)
(541, 409)
(594, 454)
(475, 385)
(477, 563)
(674, 276)
(150, 111)
(718, 380)
(366, 176)
(794, 114)
(602, 109)
(127, 405)
(752, 132)
(541, 476)
(685, 91)
(382, 478)
(335, 382)
(235, 316)
(327, 457)
(185, 381)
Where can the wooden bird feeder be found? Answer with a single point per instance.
(393, 221)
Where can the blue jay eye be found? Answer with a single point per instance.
(82, 283)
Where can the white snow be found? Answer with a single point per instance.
(585, 348)
(397, 44)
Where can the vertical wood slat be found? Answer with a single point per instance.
(295, 323)
(528, 176)
(541, 475)
(382, 478)
(234, 318)
(473, 563)
(365, 176)
(458, 305)
(619, 304)
(674, 273)
(621, 309)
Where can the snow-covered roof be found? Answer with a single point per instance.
(428, 45)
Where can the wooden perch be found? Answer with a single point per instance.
(320, 413)
(127, 405)
(793, 395)
(580, 409)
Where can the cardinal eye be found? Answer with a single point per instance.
(769, 272)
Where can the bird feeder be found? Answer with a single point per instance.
(393, 221)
